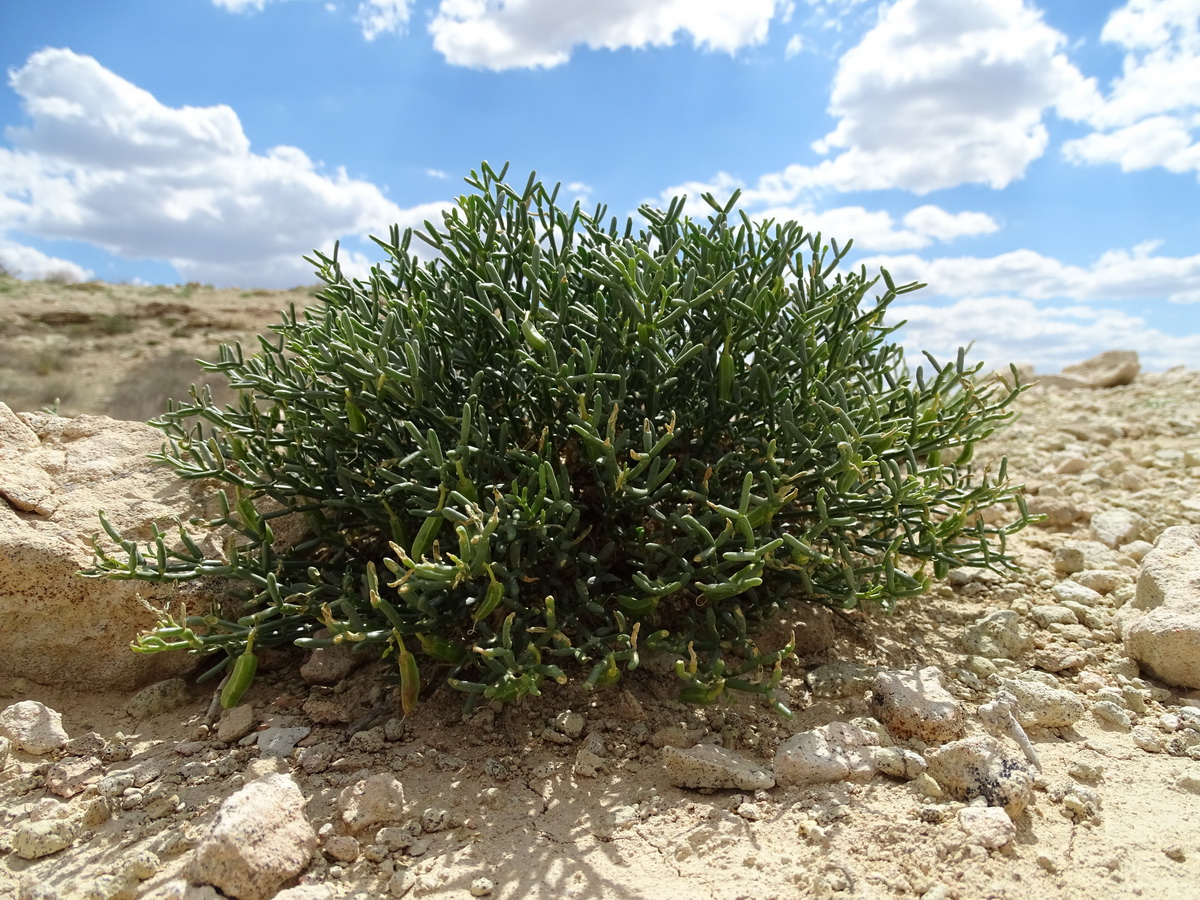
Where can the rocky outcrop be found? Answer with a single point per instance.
(55, 473)
(1112, 368)
(1161, 625)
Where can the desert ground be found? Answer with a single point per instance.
(569, 794)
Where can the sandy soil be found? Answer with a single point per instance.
(525, 804)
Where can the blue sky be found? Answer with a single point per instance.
(1037, 163)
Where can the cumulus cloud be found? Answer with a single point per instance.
(374, 17)
(378, 17)
(105, 162)
(947, 92)
(1135, 274)
(870, 229)
(238, 6)
(877, 230)
(33, 264)
(514, 34)
(1004, 329)
(936, 94)
(1151, 115)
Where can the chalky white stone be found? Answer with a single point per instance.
(709, 766)
(33, 727)
(1161, 625)
(259, 839)
(834, 752)
(916, 704)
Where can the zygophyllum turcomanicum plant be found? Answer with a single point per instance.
(564, 443)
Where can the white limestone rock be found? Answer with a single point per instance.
(259, 840)
(73, 776)
(1074, 592)
(33, 727)
(1116, 527)
(834, 752)
(36, 839)
(710, 766)
(997, 635)
(160, 697)
(55, 473)
(1112, 368)
(986, 826)
(378, 800)
(1161, 625)
(1078, 556)
(981, 766)
(900, 763)
(1042, 706)
(916, 704)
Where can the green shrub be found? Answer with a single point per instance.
(573, 443)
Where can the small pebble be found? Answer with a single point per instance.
(342, 847)
(1189, 781)
(1108, 712)
(750, 812)
(482, 887)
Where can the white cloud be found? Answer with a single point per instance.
(579, 191)
(436, 173)
(795, 45)
(105, 163)
(1151, 116)
(946, 92)
(877, 230)
(374, 17)
(1008, 329)
(869, 229)
(1162, 63)
(938, 93)
(1136, 274)
(33, 264)
(943, 226)
(238, 6)
(511, 34)
(381, 17)
(1166, 141)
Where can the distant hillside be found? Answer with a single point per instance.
(121, 350)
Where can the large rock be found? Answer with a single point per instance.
(916, 704)
(979, 766)
(259, 840)
(707, 766)
(1110, 369)
(33, 727)
(1161, 625)
(55, 473)
(834, 752)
